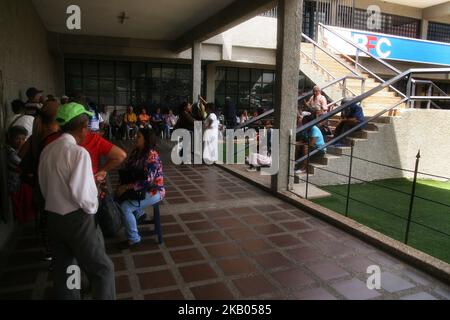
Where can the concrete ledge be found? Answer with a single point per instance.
(431, 265)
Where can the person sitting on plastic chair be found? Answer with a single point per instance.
(130, 120)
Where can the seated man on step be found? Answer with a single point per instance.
(351, 117)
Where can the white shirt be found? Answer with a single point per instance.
(25, 121)
(66, 178)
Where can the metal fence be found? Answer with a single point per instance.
(412, 217)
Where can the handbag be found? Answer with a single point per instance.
(109, 215)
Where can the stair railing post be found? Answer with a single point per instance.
(349, 178)
(307, 169)
(344, 87)
(314, 54)
(430, 92)
(291, 174)
(413, 195)
(408, 91)
(357, 59)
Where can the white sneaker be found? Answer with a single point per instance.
(251, 169)
(300, 171)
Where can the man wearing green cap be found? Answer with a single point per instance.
(68, 186)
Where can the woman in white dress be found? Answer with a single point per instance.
(211, 136)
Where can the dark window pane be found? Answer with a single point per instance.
(232, 88)
(106, 85)
(183, 73)
(73, 68)
(220, 73)
(122, 98)
(138, 69)
(220, 87)
(106, 69)
(122, 70)
(106, 98)
(90, 69)
(232, 74)
(156, 72)
(74, 84)
(244, 88)
(92, 95)
(90, 84)
(256, 75)
(122, 84)
(168, 72)
(244, 74)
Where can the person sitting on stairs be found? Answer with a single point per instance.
(350, 118)
(310, 140)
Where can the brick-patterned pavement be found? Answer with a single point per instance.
(226, 239)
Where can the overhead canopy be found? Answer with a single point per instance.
(178, 21)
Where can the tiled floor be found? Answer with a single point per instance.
(226, 239)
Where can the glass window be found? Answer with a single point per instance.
(268, 76)
(256, 75)
(122, 70)
(73, 68)
(156, 71)
(168, 72)
(138, 69)
(231, 88)
(90, 69)
(107, 85)
(122, 98)
(232, 74)
(220, 73)
(244, 74)
(106, 69)
(184, 72)
(438, 32)
(90, 84)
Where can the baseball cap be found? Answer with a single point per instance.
(32, 92)
(69, 111)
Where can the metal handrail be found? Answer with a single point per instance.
(367, 53)
(303, 96)
(371, 92)
(350, 131)
(430, 83)
(387, 65)
(315, 44)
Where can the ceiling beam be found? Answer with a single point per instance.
(236, 13)
(437, 11)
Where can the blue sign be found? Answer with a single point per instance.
(400, 48)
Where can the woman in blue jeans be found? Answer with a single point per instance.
(143, 157)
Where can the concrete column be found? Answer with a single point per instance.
(424, 29)
(286, 86)
(210, 82)
(196, 70)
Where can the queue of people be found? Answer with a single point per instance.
(54, 152)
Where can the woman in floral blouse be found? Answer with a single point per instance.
(143, 157)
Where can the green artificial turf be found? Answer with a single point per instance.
(387, 210)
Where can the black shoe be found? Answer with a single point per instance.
(127, 245)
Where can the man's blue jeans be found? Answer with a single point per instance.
(132, 210)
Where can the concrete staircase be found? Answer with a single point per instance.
(373, 143)
(380, 100)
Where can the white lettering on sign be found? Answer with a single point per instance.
(383, 54)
